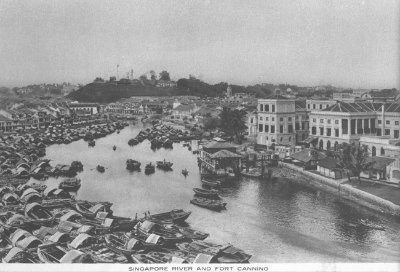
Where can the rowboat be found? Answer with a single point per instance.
(18, 255)
(169, 235)
(164, 165)
(206, 193)
(174, 216)
(132, 164)
(38, 215)
(211, 184)
(100, 168)
(70, 184)
(90, 209)
(121, 244)
(192, 233)
(54, 253)
(149, 169)
(216, 205)
(149, 241)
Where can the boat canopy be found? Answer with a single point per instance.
(58, 236)
(107, 222)
(131, 243)
(61, 193)
(17, 235)
(147, 226)
(72, 256)
(44, 231)
(31, 206)
(70, 214)
(203, 258)
(49, 191)
(79, 240)
(16, 217)
(153, 239)
(29, 191)
(10, 196)
(14, 252)
(178, 260)
(96, 208)
(28, 242)
(85, 229)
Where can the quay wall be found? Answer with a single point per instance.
(345, 190)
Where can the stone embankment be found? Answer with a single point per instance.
(346, 191)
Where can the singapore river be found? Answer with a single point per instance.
(274, 221)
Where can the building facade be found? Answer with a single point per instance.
(276, 121)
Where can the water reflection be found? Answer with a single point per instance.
(274, 221)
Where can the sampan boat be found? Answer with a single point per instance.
(120, 243)
(216, 205)
(39, 216)
(90, 209)
(18, 255)
(54, 253)
(173, 216)
(206, 193)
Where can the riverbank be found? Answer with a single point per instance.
(366, 198)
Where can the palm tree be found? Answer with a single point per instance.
(355, 159)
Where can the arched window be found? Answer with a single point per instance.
(328, 145)
(373, 151)
(336, 145)
(382, 151)
(321, 144)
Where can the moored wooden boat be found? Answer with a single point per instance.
(90, 209)
(54, 253)
(173, 216)
(211, 183)
(213, 194)
(164, 165)
(18, 255)
(71, 184)
(100, 168)
(216, 205)
(149, 169)
(38, 215)
(120, 243)
(192, 233)
(169, 235)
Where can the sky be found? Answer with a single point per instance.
(348, 43)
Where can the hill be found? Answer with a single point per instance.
(111, 92)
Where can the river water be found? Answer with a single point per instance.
(274, 221)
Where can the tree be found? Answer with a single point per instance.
(164, 75)
(153, 75)
(355, 159)
(233, 123)
(210, 123)
(143, 77)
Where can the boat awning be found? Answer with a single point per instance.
(71, 256)
(177, 260)
(102, 215)
(85, 229)
(96, 208)
(29, 191)
(56, 237)
(17, 235)
(79, 240)
(107, 222)
(10, 196)
(203, 258)
(12, 253)
(28, 242)
(48, 191)
(30, 206)
(43, 231)
(70, 214)
(153, 239)
(147, 226)
(131, 243)
(16, 217)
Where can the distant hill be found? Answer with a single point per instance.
(111, 92)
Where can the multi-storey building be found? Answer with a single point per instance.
(319, 104)
(389, 120)
(276, 121)
(84, 108)
(343, 123)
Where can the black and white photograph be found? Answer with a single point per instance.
(200, 135)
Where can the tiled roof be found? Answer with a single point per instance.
(3, 118)
(219, 145)
(328, 162)
(307, 154)
(300, 104)
(391, 107)
(277, 97)
(380, 163)
(225, 154)
(354, 107)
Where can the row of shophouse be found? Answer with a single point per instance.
(42, 116)
(289, 125)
